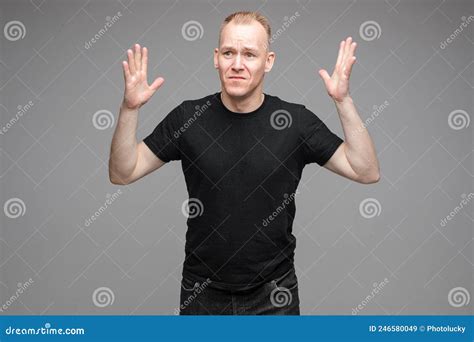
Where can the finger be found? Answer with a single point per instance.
(347, 47)
(131, 61)
(157, 83)
(349, 66)
(138, 57)
(350, 54)
(324, 75)
(126, 71)
(348, 43)
(341, 52)
(145, 61)
(353, 48)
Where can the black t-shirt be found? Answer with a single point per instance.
(241, 171)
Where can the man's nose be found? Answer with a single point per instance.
(237, 63)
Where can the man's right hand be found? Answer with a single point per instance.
(137, 90)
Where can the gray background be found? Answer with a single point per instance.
(54, 158)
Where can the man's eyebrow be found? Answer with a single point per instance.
(247, 48)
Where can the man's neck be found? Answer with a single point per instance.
(243, 104)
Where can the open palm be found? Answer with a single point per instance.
(337, 85)
(137, 90)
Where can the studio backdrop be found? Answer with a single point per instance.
(71, 242)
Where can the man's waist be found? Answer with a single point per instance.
(226, 280)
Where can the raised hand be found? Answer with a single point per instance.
(337, 85)
(137, 90)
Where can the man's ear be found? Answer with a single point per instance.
(269, 61)
(216, 54)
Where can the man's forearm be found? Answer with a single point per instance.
(360, 150)
(123, 150)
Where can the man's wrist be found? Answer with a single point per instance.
(127, 114)
(344, 101)
(125, 108)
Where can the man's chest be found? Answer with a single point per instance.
(253, 150)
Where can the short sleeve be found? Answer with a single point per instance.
(164, 140)
(318, 142)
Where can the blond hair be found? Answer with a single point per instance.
(246, 17)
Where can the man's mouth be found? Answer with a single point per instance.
(237, 78)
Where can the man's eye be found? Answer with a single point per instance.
(250, 55)
(227, 53)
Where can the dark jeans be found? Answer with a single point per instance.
(276, 297)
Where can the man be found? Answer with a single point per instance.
(242, 154)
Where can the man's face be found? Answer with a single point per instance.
(242, 58)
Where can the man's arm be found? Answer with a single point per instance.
(356, 158)
(129, 161)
